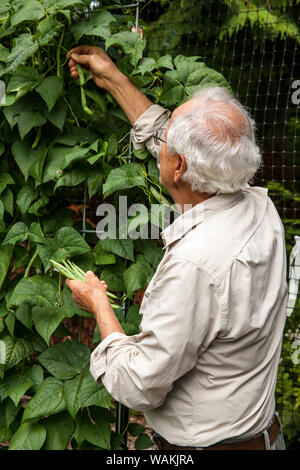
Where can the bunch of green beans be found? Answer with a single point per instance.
(74, 272)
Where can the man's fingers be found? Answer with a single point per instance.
(90, 275)
(81, 50)
(73, 284)
(81, 59)
(86, 50)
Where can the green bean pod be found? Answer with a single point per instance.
(82, 92)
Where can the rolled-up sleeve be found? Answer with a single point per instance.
(153, 121)
(180, 320)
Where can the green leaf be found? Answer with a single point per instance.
(50, 89)
(53, 6)
(17, 392)
(4, 53)
(46, 321)
(1, 215)
(12, 379)
(35, 233)
(99, 99)
(73, 178)
(60, 428)
(135, 429)
(97, 433)
(92, 393)
(97, 25)
(127, 176)
(172, 93)
(102, 257)
(18, 232)
(7, 199)
(114, 281)
(36, 376)
(6, 178)
(165, 61)
(35, 290)
(25, 197)
(30, 161)
(72, 397)
(141, 154)
(5, 256)
(32, 10)
(65, 360)
(23, 49)
(23, 314)
(16, 350)
(66, 139)
(66, 243)
(152, 252)
(94, 183)
(143, 442)
(29, 119)
(59, 158)
(10, 323)
(133, 316)
(147, 64)
(138, 275)
(25, 113)
(48, 400)
(130, 42)
(23, 77)
(47, 29)
(37, 205)
(121, 247)
(29, 436)
(58, 114)
(203, 78)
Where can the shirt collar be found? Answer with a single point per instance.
(196, 214)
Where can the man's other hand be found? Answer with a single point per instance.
(97, 62)
(88, 294)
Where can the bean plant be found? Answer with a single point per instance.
(65, 142)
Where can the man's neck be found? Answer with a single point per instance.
(187, 198)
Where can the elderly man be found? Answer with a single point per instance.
(203, 367)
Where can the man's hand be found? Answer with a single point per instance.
(97, 62)
(88, 294)
(106, 75)
(91, 296)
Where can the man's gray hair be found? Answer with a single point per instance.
(217, 137)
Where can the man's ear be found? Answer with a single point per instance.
(180, 167)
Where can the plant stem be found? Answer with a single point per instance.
(58, 54)
(59, 283)
(30, 263)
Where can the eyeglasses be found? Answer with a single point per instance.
(158, 138)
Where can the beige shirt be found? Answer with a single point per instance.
(203, 367)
